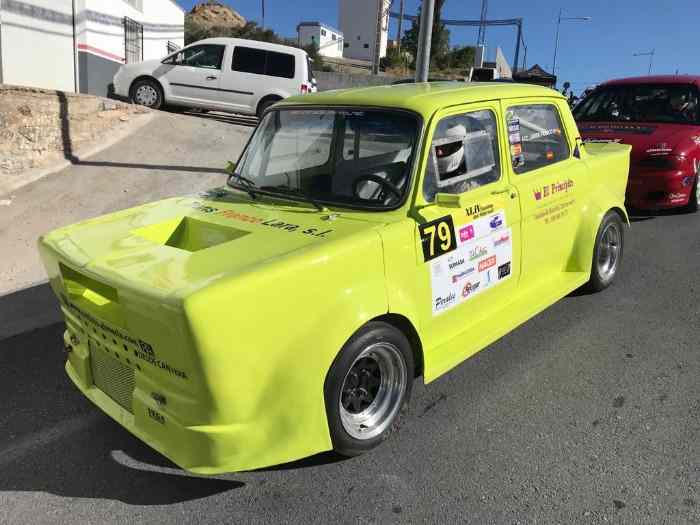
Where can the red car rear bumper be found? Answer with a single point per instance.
(658, 190)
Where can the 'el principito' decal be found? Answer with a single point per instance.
(481, 260)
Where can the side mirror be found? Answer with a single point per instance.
(449, 200)
(577, 148)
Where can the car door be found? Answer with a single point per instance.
(244, 78)
(195, 73)
(467, 230)
(550, 180)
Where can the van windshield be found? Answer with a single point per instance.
(671, 103)
(358, 158)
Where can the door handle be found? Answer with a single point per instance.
(212, 78)
(503, 192)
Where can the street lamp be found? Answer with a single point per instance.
(556, 44)
(649, 54)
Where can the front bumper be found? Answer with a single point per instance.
(658, 190)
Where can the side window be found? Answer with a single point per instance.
(279, 65)
(248, 60)
(207, 56)
(536, 136)
(463, 155)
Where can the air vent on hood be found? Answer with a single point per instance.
(190, 234)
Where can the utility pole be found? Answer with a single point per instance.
(556, 43)
(263, 14)
(424, 36)
(378, 36)
(481, 39)
(398, 29)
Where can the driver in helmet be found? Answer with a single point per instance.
(682, 106)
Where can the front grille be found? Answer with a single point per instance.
(113, 377)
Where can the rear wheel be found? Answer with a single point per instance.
(146, 92)
(607, 253)
(262, 107)
(367, 386)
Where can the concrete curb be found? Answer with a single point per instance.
(28, 309)
(136, 122)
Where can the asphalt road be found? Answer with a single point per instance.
(589, 413)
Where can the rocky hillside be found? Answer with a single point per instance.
(215, 14)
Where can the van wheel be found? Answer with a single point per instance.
(367, 387)
(607, 252)
(262, 107)
(146, 92)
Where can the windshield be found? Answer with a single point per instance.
(677, 104)
(346, 157)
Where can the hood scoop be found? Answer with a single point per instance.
(190, 235)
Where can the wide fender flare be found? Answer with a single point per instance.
(592, 214)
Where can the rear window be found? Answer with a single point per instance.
(261, 62)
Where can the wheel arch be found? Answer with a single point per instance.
(147, 77)
(405, 326)
(272, 96)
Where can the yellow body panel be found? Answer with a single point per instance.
(226, 313)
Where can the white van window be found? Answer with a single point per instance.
(260, 62)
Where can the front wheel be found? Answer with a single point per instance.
(147, 93)
(367, 386)
(607, 252)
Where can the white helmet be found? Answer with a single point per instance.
(450, 153)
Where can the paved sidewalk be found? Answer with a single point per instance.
(171, 155)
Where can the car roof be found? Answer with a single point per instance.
(251, 43)
(424, 97)
(654, 79)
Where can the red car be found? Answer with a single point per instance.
(659, 116)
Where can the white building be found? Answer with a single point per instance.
(78, 45)
(358, 21)
(328, 39)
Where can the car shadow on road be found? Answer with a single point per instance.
(220, 116)
(54, 440)
(70, 156)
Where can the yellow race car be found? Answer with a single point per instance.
(364, 239)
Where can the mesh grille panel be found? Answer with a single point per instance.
(113, 377)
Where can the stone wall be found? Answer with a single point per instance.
(335, 80)
(39, 126)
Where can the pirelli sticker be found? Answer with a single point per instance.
(437, 237)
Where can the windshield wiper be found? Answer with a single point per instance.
(250, 185)
(296, 192)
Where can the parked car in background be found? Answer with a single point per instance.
(659, 117)
(225, 74)
(365, 238)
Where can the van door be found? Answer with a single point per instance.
(194, 75)
(254, 73)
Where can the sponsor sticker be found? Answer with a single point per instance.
(466, 233)
(470, 288)
(461, 275)
(487, 263)
(504, 270)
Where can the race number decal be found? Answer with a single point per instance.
(437, 237)
(482, 259)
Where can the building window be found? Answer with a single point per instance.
(366, 46)
(333, 36)
(323, 32)
(133, 41)
(346, 45)
(358, 37)
(136, 4)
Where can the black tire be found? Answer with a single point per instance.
(352, 375)
(609, 243)
(146, 92)
(262, 107)
(694, 199)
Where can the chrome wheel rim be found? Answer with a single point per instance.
(372, 391)
(146, 95)
(609, 251)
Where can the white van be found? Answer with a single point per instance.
(224, 74)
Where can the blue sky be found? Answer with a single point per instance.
(589, 52)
